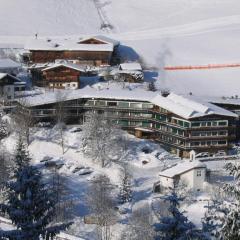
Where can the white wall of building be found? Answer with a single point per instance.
(194, 179)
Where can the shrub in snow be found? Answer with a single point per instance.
(29, 204)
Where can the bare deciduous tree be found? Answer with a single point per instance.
(5, 164)
(4, 128)
(102, 139)
(140, 226)
(61, 116)
(102, 205)
(23, 120)
(65, 204)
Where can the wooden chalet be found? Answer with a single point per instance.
(61, 76)
(9, 85)
(95, 51)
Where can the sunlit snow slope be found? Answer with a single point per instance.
(163, 32)
(48, 17)
(183, 32)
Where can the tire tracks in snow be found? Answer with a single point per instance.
(195, 28)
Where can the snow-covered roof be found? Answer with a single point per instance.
(67, 45)
(131, 66)
(189, 108)
(224, 100)
(6, 63)
(181, 106)
(88, 92)
(67, 65)
(181, 168)
(2, 75)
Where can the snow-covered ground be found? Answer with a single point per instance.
(64, 17)
(45, 142)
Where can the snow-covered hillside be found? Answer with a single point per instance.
(162, 32)
(48, 17)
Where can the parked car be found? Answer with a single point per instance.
(220, 154)
(202, 155)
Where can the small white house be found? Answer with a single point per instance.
(192, 174)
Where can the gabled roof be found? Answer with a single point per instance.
(3, 75)
(71, 44)
(6, 63)
(67, 65)
(181, 168)
(102, 39)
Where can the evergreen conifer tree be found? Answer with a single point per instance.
(176, 226)
(29, 204)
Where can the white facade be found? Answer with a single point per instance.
(192, 174)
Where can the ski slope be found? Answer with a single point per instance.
(183, 32)
(162, 32)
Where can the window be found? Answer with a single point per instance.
(123, 104)
(112, 104)
(222, 142)
(199, 173)
(222, 123)
(195, 124)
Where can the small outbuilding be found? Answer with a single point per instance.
(190, 173)
(9, 85)
(127, 72)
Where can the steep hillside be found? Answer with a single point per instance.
(162, 32)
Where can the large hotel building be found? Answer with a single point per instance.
(180, 124)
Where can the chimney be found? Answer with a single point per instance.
(165, 92)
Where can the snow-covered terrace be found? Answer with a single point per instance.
(179, 105)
